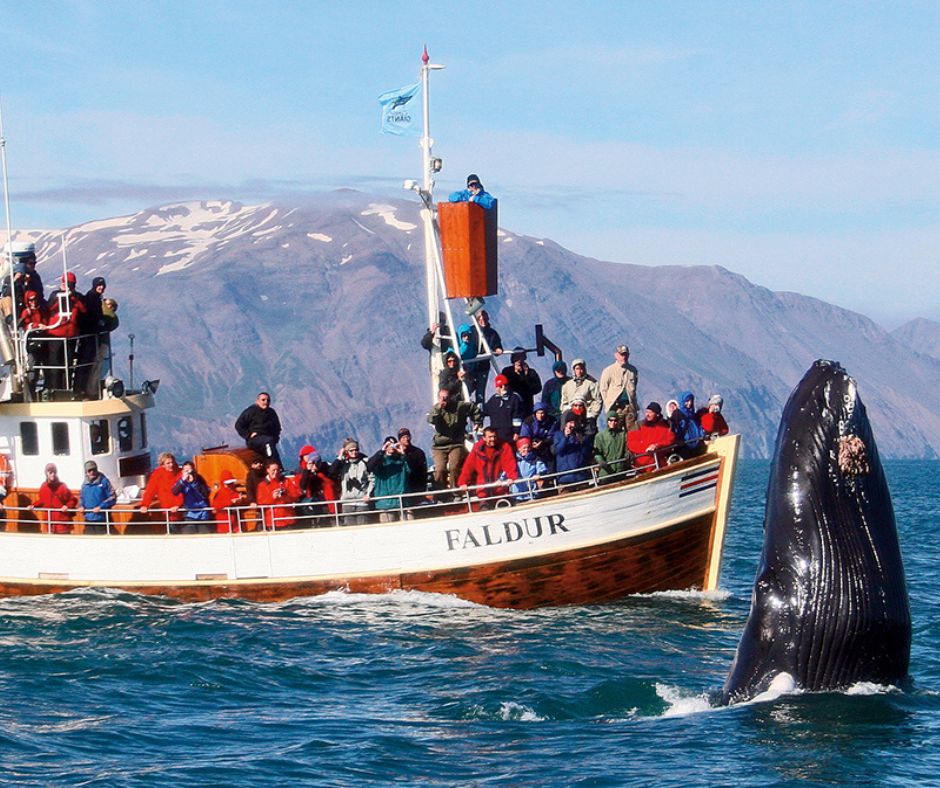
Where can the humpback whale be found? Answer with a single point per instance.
(829, 606)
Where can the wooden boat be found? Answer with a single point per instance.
(639, 533)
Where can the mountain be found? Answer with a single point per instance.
(921, 335)
(321, 303)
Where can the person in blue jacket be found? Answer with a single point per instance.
(195, 494)
(685, 426)
(572, 453)
(474, 193)
(96, 497)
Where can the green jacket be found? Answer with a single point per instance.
(389, 477)
(611, 452)
(450, 422)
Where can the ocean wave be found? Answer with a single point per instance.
(680, 703)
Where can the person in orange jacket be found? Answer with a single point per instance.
(275, 497)
(490, 460)
(650, 440)
(58, 501)
(160, 488)
(224, 501)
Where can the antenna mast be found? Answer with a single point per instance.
(17, 361)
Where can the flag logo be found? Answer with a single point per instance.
(397, 115)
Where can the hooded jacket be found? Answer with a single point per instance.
(649, 433)
(485, 465)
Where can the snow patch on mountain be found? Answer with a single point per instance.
(320, 237)
(387, 212)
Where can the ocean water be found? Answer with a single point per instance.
(107, 688)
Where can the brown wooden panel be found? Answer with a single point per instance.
(672, 559)
(469, 249)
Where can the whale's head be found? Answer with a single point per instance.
(829, 605)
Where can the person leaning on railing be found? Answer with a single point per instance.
(491, 460)
(225, 502)
(275, 498)
(97, 497)
(651, 440)
(56, 502)
(610, 448)
(160, 488)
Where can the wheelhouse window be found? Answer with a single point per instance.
(60, 439)
(29, 437)
(143, 430)
(99, 433)
(125, 432)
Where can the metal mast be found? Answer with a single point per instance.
(9, 248)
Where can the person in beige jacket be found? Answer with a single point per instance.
(618, 386)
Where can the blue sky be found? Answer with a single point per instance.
(797, 144)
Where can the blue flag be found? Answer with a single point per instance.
(399, 114)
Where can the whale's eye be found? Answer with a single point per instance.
(853, 456)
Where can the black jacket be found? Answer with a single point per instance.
(263, 421)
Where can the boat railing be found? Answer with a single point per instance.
(60, 360)
(254, 518)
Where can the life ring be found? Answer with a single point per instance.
(6, 476)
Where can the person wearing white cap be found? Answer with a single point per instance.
(618, 386)
(582, 387)
(713, 423)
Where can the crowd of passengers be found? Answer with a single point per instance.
(534, 440)
(68, 339)
(538, 439)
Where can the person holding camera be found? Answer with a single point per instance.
(572, 453)
(275, 498)
(522, 379)
(389, 470)
(350, 472)
(195, 494)
(449, 417)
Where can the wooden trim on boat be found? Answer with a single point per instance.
(725, 447)
(657, 561)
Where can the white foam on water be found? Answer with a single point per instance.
(680, 703)
(692, 595)
(510, 710)
(397, 598)
(870, 688)
(320, 237)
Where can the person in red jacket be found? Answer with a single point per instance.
(160, 488)
(65, 311)
(34, 314)
(490, 460)
(312, 487)
(57, 501)
(651, 439)
(224, 501)
(713, 423)
(275, 496)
